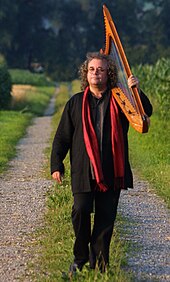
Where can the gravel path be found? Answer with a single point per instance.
(22, 206)
(147, 229)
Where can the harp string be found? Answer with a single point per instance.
(122, 77)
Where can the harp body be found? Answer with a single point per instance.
(128, 99)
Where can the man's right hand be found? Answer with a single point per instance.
(57, 176)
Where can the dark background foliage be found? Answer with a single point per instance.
(58, 34)
(5, 85)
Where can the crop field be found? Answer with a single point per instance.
(20, 90)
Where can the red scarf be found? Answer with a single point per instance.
(92, 146)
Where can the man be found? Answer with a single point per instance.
(94, 129)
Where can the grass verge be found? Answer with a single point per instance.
(32, 99)
(12, 128)
(149, 156)
(13, 123)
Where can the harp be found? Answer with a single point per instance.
(128, 99)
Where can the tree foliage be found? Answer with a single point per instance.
(5, 85)
(58, 34)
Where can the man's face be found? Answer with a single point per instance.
(97, 73)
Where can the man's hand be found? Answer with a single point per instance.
(133, 81)
(57, 176)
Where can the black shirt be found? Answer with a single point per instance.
(98, 108)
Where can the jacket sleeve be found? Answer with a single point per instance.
(62, 141)
(146, 104)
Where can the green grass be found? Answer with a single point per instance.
(76, 86)
(34, 100)
(20, 76)
(12, 128)
(149, 154)
(13, 124)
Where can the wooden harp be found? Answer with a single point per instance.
(128, 99)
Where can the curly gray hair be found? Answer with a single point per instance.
(111, 70)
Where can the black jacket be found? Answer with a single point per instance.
(69, 136)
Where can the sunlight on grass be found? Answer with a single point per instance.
(27, 98)
(22, 76)
(12, 127)
(27, 101)
(149, 156)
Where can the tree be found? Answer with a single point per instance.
(70, 42)
(5, 85)
(58, 34)
(155, 30)
(8, 16)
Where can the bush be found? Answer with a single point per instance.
(5, 85)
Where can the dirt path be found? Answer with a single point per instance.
(147, 228)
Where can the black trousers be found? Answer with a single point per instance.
(93, 240)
